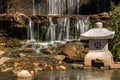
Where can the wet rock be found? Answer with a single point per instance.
(24, 74)
(69, 50)
(77, 66)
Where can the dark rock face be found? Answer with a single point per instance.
(95, 6)
(10, 6)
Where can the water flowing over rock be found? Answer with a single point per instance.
(62, 28)
(63, 7)
(53, 8)
(30, 30)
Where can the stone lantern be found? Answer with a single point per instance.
(98, 45)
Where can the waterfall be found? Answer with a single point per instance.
(67, 27)
(34, 7)
(59, 7)
(51, 36)
(60, 28)
(70, 6)
(30, 31)
(64, 30)
(82, 26)
(53, 6)
(78, 6)
(63, 7)
(86, 23)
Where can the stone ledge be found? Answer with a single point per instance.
(116, 65)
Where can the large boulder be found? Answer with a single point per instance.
(68, 50)
(73, 50)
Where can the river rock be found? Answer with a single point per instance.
(68, 50)
(3, 59)
(24, 74)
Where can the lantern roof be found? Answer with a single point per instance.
(98, 33)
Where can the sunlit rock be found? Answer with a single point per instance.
(24, 74)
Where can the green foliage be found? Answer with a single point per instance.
(114, 25)
(116, 51)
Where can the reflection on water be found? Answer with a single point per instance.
(79, 75)
(70, 75)
(61, 75)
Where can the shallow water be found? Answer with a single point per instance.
(71, 75)
(80, 75)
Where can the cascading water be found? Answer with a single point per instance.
(82, 25)
(50, 36)
(61, 7)
(63, 29)
(59, 29)
(67, 27)
(34, 7)
(53, 7)
(30, 31)
(64, 7)
(70, 6)
(78, 6)
(86, 23)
